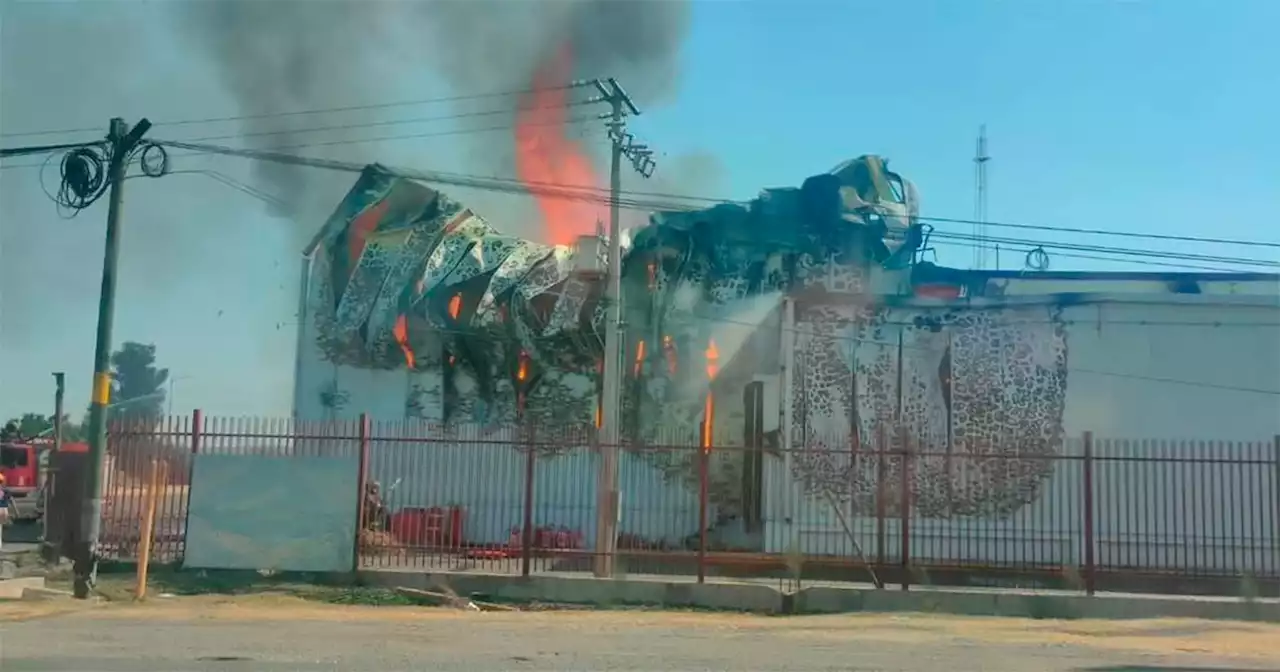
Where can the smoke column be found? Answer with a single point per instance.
(285, 55)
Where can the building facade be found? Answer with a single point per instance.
(797, 337)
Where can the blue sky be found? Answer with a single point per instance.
(1156, 117)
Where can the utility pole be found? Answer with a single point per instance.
(121, 141)
(608, 505)
(59, 382)
(980, 160)
(47, 551)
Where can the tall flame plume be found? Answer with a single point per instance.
(546, 155)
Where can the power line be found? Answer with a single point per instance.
(1127, 260)
(439, 176)
(232, 183)
(637, 200)
(598, 195)
(348, 141)
(326, 110)
(602, 196)
(1110, 250)
(43, 149)
(1102, 232)
(388, 122)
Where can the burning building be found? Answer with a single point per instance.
(800, 326)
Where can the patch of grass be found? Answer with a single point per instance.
(120, 586)
(369, 597)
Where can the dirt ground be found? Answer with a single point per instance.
(283, 632)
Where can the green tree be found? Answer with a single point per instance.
(32, 425)
(137, 384)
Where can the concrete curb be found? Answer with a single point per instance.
(587, 590)
(12, 589)
(1013, 604)
(824, 599)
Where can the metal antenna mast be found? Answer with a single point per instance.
(641, 158)
(980, 160)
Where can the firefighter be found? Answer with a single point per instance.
(375, 511)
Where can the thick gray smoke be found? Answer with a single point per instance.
(285, 55)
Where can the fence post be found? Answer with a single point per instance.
(905, 511)
(197, 432)
(882, 473)
(362, 475)
(1275, 502)
(1089, 578)
(197, 429)
(526, 533)
(148, 530)
(704, 491)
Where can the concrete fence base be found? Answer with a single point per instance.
(761, 598)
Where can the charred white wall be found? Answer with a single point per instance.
(1179, 377)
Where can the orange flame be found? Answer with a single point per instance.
(401, 332)
(545, 155)
(639, 358)
(713, 359)
(523, 371)
(455, 306)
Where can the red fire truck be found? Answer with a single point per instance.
(22, 465)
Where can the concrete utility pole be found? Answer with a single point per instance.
(47, 552)
(608, 505)
(59, 383)
(122, 141)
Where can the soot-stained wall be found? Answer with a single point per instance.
(993, 398)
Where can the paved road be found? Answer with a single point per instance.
(287, 637)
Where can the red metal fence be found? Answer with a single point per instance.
(1088, 513)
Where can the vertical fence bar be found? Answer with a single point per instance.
(197, 432)
(704, 489)
(1089, 578)
(1275, 504)
(881, 474)
(526, 533)
(905, 509)
(362, 475)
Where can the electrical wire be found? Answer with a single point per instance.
(326, 110)
(602, 197)
(353, 141)
(83, 173)
(233, 183)
(635, 200)
(1103, 232)
(390, 122)
(83, 178)
(42, 149)
(1155, 254)
(1126, 260)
